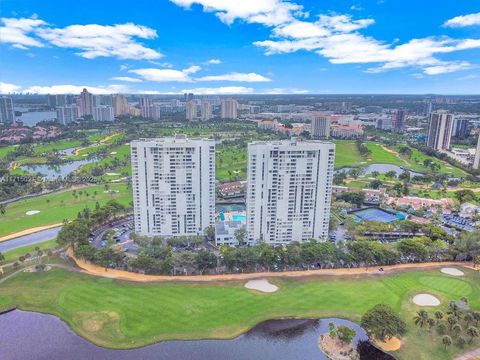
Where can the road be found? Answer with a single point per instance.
(30, 239)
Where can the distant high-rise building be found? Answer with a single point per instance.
(67, 114)
(188, 97)
(52, 101)
(398, 120)
(460, 128)
(427, 108)
(289, 190)
(321, 126)
(173, 181)
(229, 109)
(191, 110)
(476, 161)
(86, 102)
(7, 113)
(120, 105)
(62, 100)
(439, 130)
(145, 101)
(103, 113)
(151, 112)
(206, 110)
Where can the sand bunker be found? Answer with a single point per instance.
(112, 174)
(113, 153)
(426, 300)
(452, 271)
(391, 344)
(261, 285)
(32, 212)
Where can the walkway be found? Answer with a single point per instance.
(472, 355)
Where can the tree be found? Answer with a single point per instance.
(446, 341)
(240, 235)
(2, 257)
(3, 209)
(421, 318)
(210, 232)
(468, 318)
(457, 329)
(206, 260)
(465, 195)
(467, 245)
(375, 184)
(476, 317)
(438, 316)
(472, 331)
(345, 333)
(383, 323)
(452, 320)
(461, 341)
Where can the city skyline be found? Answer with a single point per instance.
(263, 47)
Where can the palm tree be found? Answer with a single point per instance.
(3, 209)
(421, 319)
(468, 318)
(476, 316)
(447, 341)
(454, 310)
(472, 331)
(431, 323)
(457, 329)
(452, 320)
(438, 316)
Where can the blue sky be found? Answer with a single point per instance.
(241, 46)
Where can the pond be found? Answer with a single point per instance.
(33, 117)
(28, 335)
(380, 168)
(52, 172)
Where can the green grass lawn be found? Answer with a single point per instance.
(4, 150)
(346, 154)
(16, 253)
(231, 163)
(122, 314)
(56, 145)
(60, 205)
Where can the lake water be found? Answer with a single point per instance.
(33, 336)
(52, 172)
(34, 117)
(381, 168)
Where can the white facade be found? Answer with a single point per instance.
(439, 131)
(103, 113)
(173, 182)
(229, 109)
(321, 126)
(289, 190)
(151, 112)
(191, 110)
(476, 161)
(67, 114)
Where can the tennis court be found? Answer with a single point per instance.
(376, 214)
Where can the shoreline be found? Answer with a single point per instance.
(28, 232)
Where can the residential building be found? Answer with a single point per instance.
(427, 108)
(67, 114)
(460, 128)
(191, 110)
(103, 113)
(151, 112)
(173, 181)
(229, 109)
(321, 126)
(476, 161)
(206, 110)
(225, 232)
(398, 120)
(86, 103)
(120, 105)
(289, 188)
(7, 113)
(346, 131)
(439, 130)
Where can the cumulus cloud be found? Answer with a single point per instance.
(126, 79)
(223, 90)
(90, 41)
(282, 91)
(464, 20)
(338, 37)
(235, 76)
(166, 75)
(7, 88)
(214, 62)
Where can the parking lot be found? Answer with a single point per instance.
(117, 232)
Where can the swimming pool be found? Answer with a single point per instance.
(239, 218)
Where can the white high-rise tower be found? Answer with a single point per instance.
(173, 181)
(289, 190)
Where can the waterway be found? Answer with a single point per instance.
(380, 168)
(52, 172)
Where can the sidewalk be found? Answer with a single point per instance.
(472, 355)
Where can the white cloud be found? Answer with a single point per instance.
(468, 77)
(223, 90)
(337, 37)
(214, 62)
(280, 91)
(235, 76)
(91, 40)
(166, 75)
(465, 20)
(126, 78)
(266, 12)
(447, 67)
(76, 89)
(6, 88)
(15, 32)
